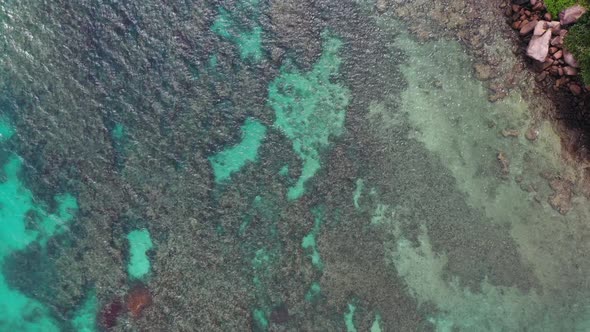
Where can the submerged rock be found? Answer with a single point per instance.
(539, 46)
(561, 200)
(381, 5)
(531, 134)
(504, 163)
(138, 299)
(510, 133)
(482, 71)
(110, 313)
(280, 314)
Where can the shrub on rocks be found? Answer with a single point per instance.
(556, 6)
(577, 42)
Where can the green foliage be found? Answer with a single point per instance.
(577, 41)
(556, 6)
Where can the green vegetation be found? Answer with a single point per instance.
(556, 6)
(577, 41)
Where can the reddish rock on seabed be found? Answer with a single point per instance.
(110, 313)
(138, 298)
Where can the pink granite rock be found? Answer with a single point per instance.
(569, 59)
(540, 28)
(557, 41)
(571, 15)
(527, 28)
(570, 71)
(539, 46)
(555, 25)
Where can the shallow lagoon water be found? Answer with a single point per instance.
(281, 166)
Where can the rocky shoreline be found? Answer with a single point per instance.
(546, 90)
(543, 41)
(558, 75)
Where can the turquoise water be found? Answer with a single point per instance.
(230, 160)
(276, 166)
(309, 109)
(26, 223)
(139, 263)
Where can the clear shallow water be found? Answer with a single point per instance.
(286, 166)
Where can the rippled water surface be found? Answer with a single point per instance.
(241, 165)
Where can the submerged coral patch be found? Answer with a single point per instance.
(85, 317)
(139, 243)
(309, 241)
(349, 318)
(6, 131)
(310, 108)
(17, 204)
(232, 159)
(248, 41)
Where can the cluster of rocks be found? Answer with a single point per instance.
(544, 36)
